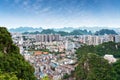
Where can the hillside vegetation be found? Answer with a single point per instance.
(12, 66)
(105, 31)
(92, 65)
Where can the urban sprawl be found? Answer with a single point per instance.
(54, 55)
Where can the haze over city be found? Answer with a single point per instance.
(59, 13)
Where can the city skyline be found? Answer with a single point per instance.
(59, 13)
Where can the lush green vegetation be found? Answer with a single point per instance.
(66, 76)
(105, 31)
(12, 61)
(7, 76)
(102, 49)
(116, 67)
(92, 65)
(45, 78)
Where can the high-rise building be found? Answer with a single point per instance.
(117, 38)
(47, 37)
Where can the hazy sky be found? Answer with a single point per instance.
(59, 13)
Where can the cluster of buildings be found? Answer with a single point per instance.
(96, 40)
(47, 37)
(57, 62)
(61, 57)
(53, 66)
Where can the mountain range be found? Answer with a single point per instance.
(25, 29)
(65, 29)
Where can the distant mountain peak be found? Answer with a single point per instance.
(25, 29)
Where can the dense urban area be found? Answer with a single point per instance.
(59, 39)
(56, 57)
(53, 55)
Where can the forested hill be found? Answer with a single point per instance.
(92, 65)
(105, 31)
(12, 64)
(74, 32)
(62, 33)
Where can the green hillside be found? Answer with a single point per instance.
(92, 65)
(105, 31)
(12, 63)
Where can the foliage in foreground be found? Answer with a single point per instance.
(12, 61)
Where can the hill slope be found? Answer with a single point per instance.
(105, 31)
(11, 60)
(92, 65)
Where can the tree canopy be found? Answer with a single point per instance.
(11, 60)
(92, 65)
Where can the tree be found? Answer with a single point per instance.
(12, 61)
(108, 48)
(66, 76)
(94, 67)
(45, 78)
(116, 67)
(7, 76)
